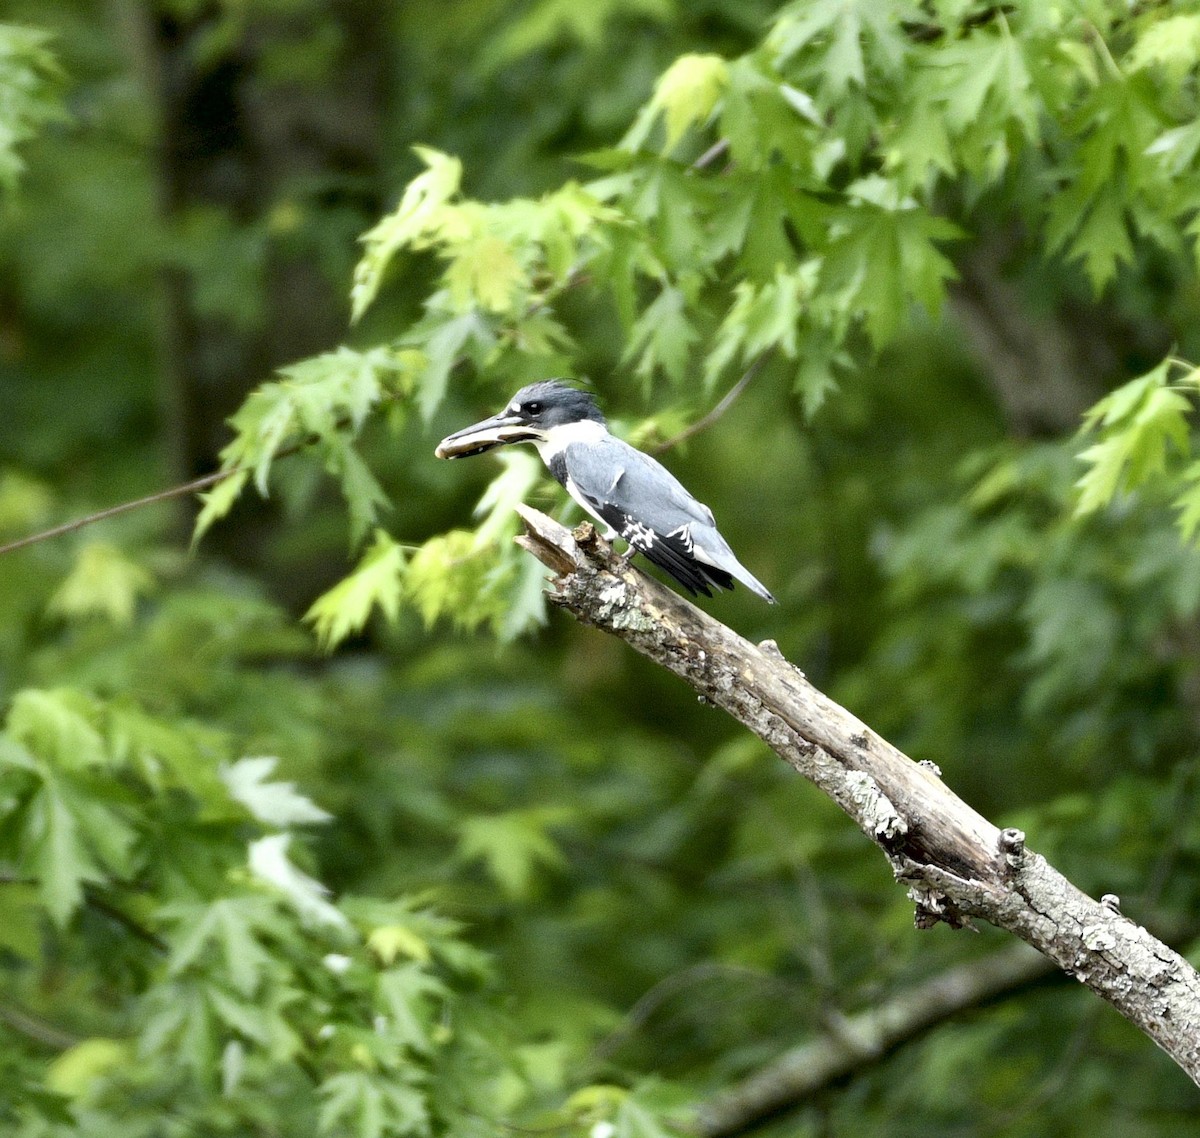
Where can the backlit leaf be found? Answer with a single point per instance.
(276, 803)
(103, 583)
(269, 862)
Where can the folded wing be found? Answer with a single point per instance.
(645, 504)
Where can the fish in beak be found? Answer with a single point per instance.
(494, 432)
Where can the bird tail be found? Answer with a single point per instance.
(711, 549)
(741, 573)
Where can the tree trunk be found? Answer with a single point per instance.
(956, 864)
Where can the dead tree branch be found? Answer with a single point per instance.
(956, 864)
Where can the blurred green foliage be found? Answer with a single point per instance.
(326, 827)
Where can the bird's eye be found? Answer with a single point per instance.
(534, 408)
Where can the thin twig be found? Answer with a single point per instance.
(666, 989)
(122, 918)
(112, 511)
(717, 150)
(707, 421)
(30, 1026)
(192, 487)
(208, 480)
(576, 277)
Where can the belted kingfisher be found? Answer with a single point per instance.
(633, 495)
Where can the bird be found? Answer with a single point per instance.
(632, 495)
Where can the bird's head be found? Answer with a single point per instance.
(529, 416)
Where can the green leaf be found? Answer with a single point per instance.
(58, 726)
(634, 1121)
(454, 575)
(1119, 407)
(219, 501)
(920, 146)
(375, 582)
(406, 993)
(473, 578)
(442, 346)
(527, 602)
(1140, 423)
(843, 34)
(1187, 502)
(57, 852)
(1103, 242)
(1170, 42)
(1092, 225)
(326, 388)
(513, 846)
(485, 273)
(246, 1019)
(319, 404)
(498, 505)
(762, 119)
(31, 83)
(79, 1068)
(663, 337)
(762, 318)
(882, 258)
(389, 941)
(1177, 148)
(227, 924)
(1119, 123)
(163, 752)
(986, 72)
(365, 498)
(367, 1106)
(687, 93)
(351, 1106)
(276, 418)
(421, 211)
(178, 1019)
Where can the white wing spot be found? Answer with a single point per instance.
(684, 533)
(638, 535)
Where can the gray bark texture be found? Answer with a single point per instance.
(955, 863)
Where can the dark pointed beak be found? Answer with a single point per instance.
(496, 431)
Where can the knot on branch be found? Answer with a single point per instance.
(1012, 848)
(587, 536)
(771, 648)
